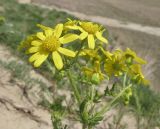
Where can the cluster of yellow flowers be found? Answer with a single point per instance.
(58, 41)
(115, 64)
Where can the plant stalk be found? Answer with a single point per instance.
(74, 87)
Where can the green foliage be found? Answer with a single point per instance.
(57, 114)
(145, 104)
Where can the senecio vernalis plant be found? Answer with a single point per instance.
(78, 50)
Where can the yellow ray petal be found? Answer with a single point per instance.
(72, 27)
(41, 36)
(140, 60)
(101, 38)
(48, 32)
(58, 30)
(41, 59)
(34, 57)
(66, 52)
(83, 35)
(68, 38)
(91, 42)
(82, 30)
(44, 27)
(57, 60)
(33, 49)
(36, 43)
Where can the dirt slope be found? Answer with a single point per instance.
(138, 11)
(18, 104)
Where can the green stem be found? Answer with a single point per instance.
(76, 57)
(108, 106)
(124, 80)
(50, 67)
(138, 110)
(92, 92)
(74, 87)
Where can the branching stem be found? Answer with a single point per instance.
(110, 105)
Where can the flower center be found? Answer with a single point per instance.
(90, 27)
(51, 43)
(116, 65)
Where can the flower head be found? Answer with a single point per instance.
(50, 42)
(90, 31)
(115, 66)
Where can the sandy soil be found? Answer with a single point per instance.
(18, 104)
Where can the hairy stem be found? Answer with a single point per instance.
(74, 87)
(50, 67)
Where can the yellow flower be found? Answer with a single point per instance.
(115, 66)
(131, 55)
(89, 31)
(50, 42)
(137, 75)
(94, 73)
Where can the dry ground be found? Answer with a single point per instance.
(18, 102)
(139, 11)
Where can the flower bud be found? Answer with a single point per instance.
(129, 60)
(95, 78)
